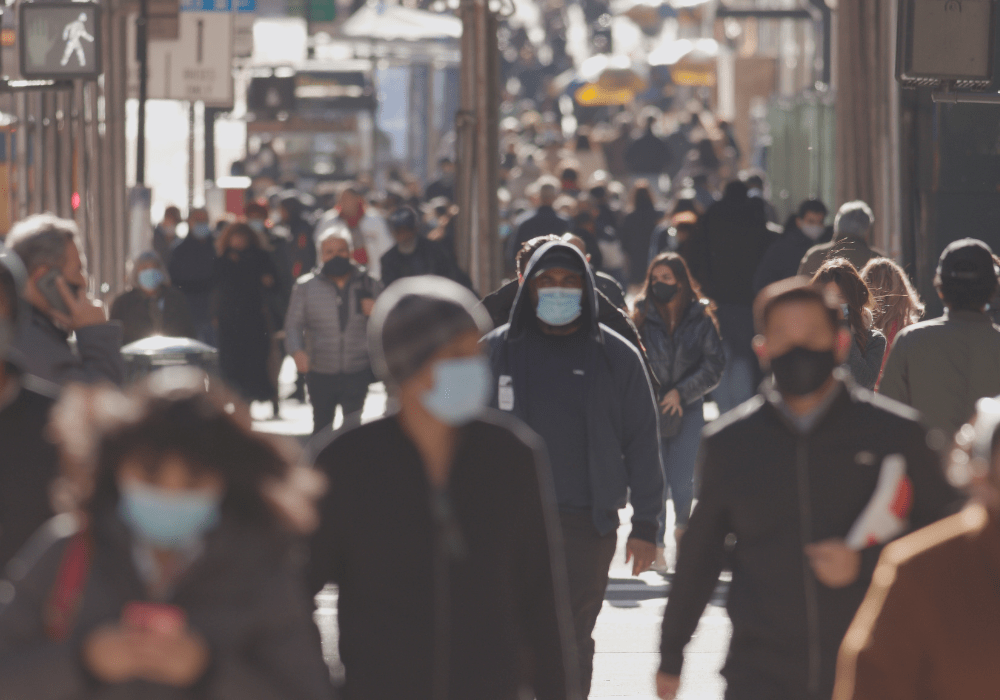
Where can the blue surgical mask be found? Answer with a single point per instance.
(461, 390)
(559, 306)
(201, 230)
(150, 279)
(846, 310)
(168, 519)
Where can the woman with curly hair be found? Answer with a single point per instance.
(170, 574)
(857, 304)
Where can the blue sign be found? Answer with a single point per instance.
(206, 5)
(248, 6)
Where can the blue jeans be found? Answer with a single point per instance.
(679, 454)
(738, 382)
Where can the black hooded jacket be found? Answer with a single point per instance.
(621, 415)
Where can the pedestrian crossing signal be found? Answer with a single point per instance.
(60, 41)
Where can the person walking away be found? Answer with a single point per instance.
(637, 229)
(584, 390)
(543, 222)
(782, 258)
(151, 306)
(734, 239)
(897, 304)
(28, 462)
(328, 314)
(414, 255)
(856, 304)
(648, 156)
(371, 235)
(444, 186)
(59, 306)
(928, 625)
(681, 337)
(192, 270)
(462, 497)
(790, 474)
(171, 573)
(852, 229)
(244, 274)
(943, 366)
(755, 190)
(165, 234)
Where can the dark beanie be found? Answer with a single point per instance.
(414, 318)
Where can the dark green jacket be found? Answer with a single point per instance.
(943, 366)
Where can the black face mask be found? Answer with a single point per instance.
(800, 372)
(337, 267)
(663, 292)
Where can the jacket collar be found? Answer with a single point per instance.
(835, 402)
(964, 316)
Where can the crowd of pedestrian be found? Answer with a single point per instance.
(154, 545)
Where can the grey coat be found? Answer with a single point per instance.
(315, 313)
(242, 595)
(43, 350)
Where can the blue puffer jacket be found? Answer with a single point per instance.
(622, 425)
(691, 359)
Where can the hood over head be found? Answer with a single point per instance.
(522, 314)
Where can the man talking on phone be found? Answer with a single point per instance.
(56, 291)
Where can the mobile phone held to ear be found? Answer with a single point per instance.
(50, 291)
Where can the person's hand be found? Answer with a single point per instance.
(177, 660)
(671, 403)
(641, 554)
(83, 310)
(110, 654)
(367, 305)
(835, 564)
(301, 361)
(667, 686)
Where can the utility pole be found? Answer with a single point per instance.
(142, 57)
(476, 127)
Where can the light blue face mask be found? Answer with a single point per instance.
(168, 519)
(258, 226)
(846, 310)
(461, 390)
(150, 279)
(559, 306)
(201, 230)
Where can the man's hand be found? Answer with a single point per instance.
(367, 305)
(641, 554)
(834, 563)
(177, 660)
(672, 403)
(109, 653)
(83, 310)
(667, 685)
(301, 361)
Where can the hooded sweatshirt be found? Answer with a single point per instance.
(619, 416)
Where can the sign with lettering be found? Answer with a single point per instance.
(198, 66)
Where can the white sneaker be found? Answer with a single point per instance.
(659, 564)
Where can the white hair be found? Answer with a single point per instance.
(854, 219)
(335, 231)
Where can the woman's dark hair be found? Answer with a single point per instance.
(706, 155)
(812, 205)
(688, 289)
(256, 209)
(180, 413)
(642, 197)
(841, 272)
(237, 230)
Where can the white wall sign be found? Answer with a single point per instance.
(198, 66)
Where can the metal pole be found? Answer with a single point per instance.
(142, 57)
(190, 155)
(487, 268)
(465, 127)
(209, 122)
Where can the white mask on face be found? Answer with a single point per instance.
(813, 232)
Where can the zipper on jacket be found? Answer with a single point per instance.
(808, 580)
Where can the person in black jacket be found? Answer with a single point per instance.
(28, 461)
(733, 241)
(637, 230)
(583, 388)
(543, 222)
(192, 270)
(460, 499)
(151, 306)
(681, 337)
(414, 255)
(648, 156)
(789, 474)
(782, 258)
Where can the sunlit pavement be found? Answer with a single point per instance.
(628, 630)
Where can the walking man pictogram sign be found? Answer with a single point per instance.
(73, 34)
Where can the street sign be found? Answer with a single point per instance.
(198, 66)
(207, 6)
(60, 41)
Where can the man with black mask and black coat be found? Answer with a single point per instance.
(812, 477)
(414, 255)
(583, 388)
